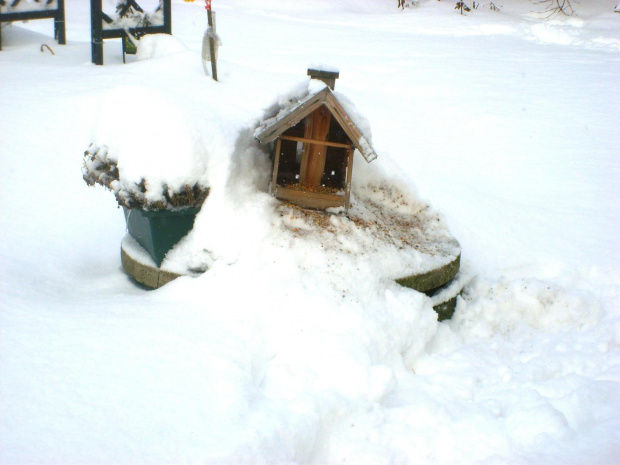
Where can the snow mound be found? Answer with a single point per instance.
(153, 46)
(157, 162)
(489, 308)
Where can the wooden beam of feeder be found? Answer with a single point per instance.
(313, 156)
(325, 97)
(312, 141)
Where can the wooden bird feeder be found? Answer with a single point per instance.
(314, 143)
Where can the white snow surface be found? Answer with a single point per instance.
(282, 353)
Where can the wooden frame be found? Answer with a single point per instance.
(312, 141)
(276, 126)
(310, 199)
(319, 111)
(313, 200)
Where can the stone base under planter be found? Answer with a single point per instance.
(448, 282)
(442, 285)
(444, 298)
(433, 279)
(141, 267)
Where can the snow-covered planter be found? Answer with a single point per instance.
(157, 231)
(156, 220)
(100, 168)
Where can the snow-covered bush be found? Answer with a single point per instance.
(100, 168)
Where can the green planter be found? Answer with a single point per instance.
(157, 231)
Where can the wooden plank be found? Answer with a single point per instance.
(312, 141)
(350, 128)
(293, 117)
(328, 77)
(276, 164)
(212, 42)
(316, 155)
(343, 119)
(305, 153)
(347, 194)
(310, 199)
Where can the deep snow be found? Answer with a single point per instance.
(505, 123)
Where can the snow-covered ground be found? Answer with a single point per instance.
(505, 123)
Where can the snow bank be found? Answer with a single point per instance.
(155, 158)
(153, 46)
(281, 352)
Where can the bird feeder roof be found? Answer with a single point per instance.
(289, 116)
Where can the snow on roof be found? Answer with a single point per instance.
(351, 121)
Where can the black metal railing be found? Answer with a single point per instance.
(129, 21)
(14, 10)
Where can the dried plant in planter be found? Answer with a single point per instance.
(102, 170)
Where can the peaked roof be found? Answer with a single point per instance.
(274, 127)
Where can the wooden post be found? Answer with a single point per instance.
(347, 194)
(317, 128)
(276, 165)
(328, 77)
(305, 152)
(211, 40)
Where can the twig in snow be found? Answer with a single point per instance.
(554, 7)
(45, 46)
(492, 6)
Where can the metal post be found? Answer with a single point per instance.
(95, 32)
(59, 24)
(167, 16)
